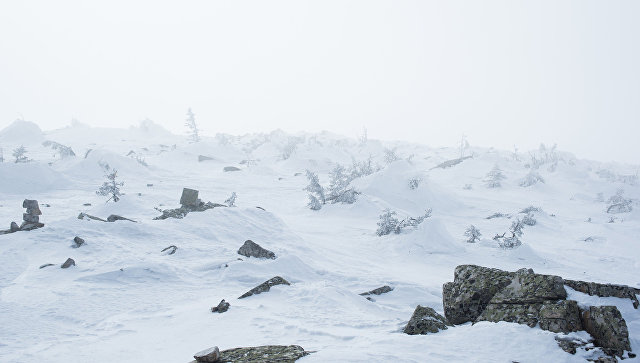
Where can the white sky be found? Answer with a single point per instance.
(501, 72)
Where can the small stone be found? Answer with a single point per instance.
(208, 355)
(221, 308)
(379, 291)
(425, 320)
(202, 158)
(78, 241)
(172, 249)
(68, 263)
(87, 204)
(252, 249)
(149, 185)
(231, 168)
(189, 197)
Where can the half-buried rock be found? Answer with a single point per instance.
(425, 320)
(208, 355)
(608, 328)
(261, 354)
(68, 263)
(265, 286)
(221, 308)
(252, 249)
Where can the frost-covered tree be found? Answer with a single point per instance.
(339, 190)
(20, 154)
(494, 177)
(315, 190)
(390, 155)
(472, 233)
(531, 178)
(314, 203)
(512, 241)
(231, 201)
(618, 203)
(414, 183)
(529, 219)
(363, 138)
(363, 168)
(388, 223)
(190, 123)
(111, 187)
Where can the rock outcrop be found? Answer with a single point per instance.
(190, 203)
(425, 320)
(608, 328)
(265, 286)
(261, 354)
(208, 355)
(252, 249)
(605, 290)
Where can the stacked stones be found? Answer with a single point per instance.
(31, 219)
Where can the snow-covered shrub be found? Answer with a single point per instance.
(531, 178)
(494, 177)
(544, 156)
(363, 168)
(531, 209)
(390, 156)
(316, 191)
(618, 203)
(498, 215)
(289, 148)
(414, 183)
(389, 223)
(513, 240)
(190, 123)
(231, 201)
(472, 233)
(349, 196)
(338, 182)
(529, 219)
(20, 154)
(111, 187)
(62, 150)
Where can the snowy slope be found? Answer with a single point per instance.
(125, 301)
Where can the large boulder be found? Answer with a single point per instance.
(472, 288)
(189, 197)
(425, 320)
(608, 328)
(605, 290)
(265, 286)
(560, 316)
(513, 313)
(531, 288)
(252, 249)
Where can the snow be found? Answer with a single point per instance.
(125, 301)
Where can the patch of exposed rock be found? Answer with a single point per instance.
(260, 354)
(605, 290)
(265, 286)
(252, 249)
(425, 320)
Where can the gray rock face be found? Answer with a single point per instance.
(68, 263)
(472, 288)
(231, 168)
(379, 291)
(26, 226)
(189, 197)
(30, 218)
(560, 317)
(14, 227)
(530, 288)
(208, 355)
(265, 286)
(513, 313)
(605, 290)
(425, 320)
(267, 353)
(608, 328)
(78, 241)
(252, 249)
(221, 308)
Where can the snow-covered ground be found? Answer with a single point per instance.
(125, 301)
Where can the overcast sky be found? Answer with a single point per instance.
(501, 72)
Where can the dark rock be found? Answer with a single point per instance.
(265, 286)
(85, 216)
(172, 248)
(149, 185)
(570, 344)
(208, 355)
(605, 290)
(379, 291)
(262, 354)
(560, 316)
(30, 204)
(30, 218)
(425, 320)
(47, 265)
(78, 241)
(261, 208)
(528, 288)
(114, 217)
(87, 204)
(221, 308)
(512, 313)
(465, 298)
(608, 328)
(189, 197)
(26, 226)
(231, 168)
(181, 212)
(68, 263)
(202, 158)
(606, 359)
(14, 227)
(252, 249)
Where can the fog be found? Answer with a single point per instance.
(503, 73)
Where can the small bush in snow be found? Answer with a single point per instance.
(494, 177)
(316, 191)
(618, 203)
(531, 178)
(390, 156)
(388, 222)
(363, 168)
(512, 241)
(472, 233)
(231, 201)
(314, 203)
(414, 183)
(20, 154)
(111, 187)
(498, 215)
(190, 123)
(531, 209)
(529, 219)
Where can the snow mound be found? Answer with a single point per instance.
(21, 132)
(25, 178)
(430, 237)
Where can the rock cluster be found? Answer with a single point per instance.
(487, 294)
(252, 249)
(189, 203)
(265, 353)
(265, 286)
(30, 219)
(221, 308)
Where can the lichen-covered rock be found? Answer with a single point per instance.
(265, 286)
(605, 290)
(252, 249)
(267, 353)
(378, 291)
(608, 328)
(527, 314)
(465, 298)
(531, 288)
(425, 320)
(560, 316)
(570, 344)
(210, 355)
